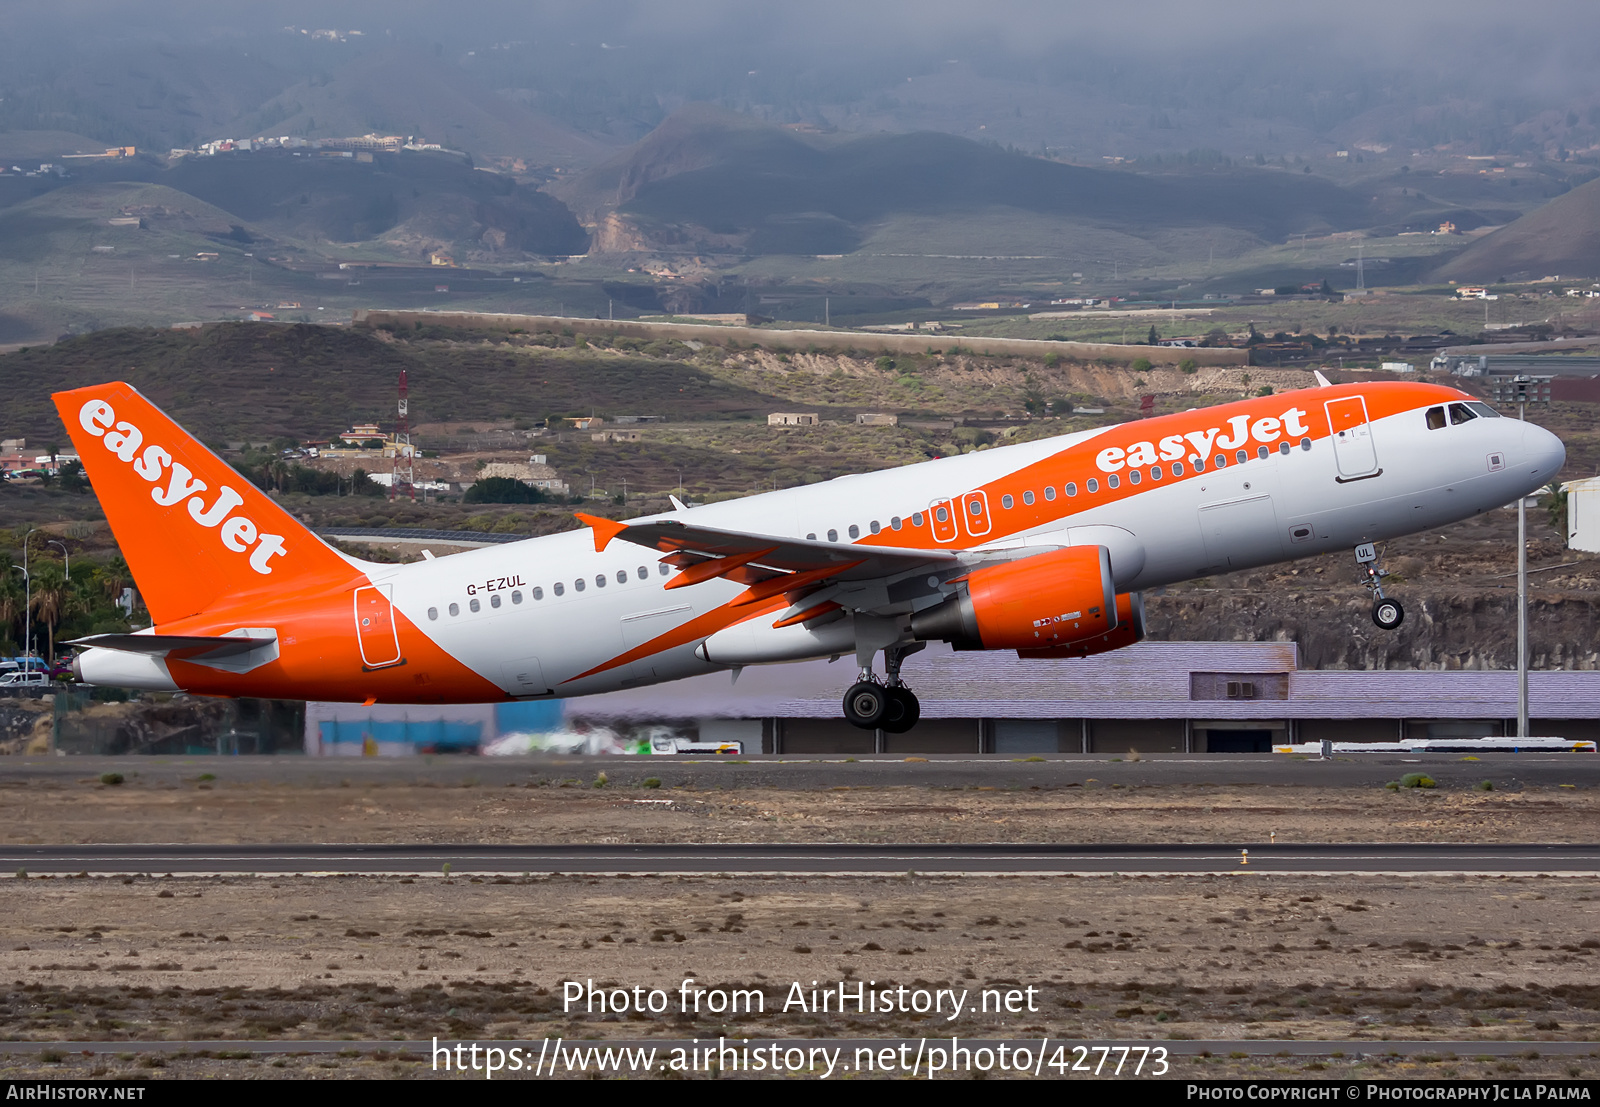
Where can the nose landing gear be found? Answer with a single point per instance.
(890, 706)
(1387, 613)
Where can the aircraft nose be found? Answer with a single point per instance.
(1545, 452)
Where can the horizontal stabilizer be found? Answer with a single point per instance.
(185, 646)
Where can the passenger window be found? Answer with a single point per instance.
(1199, 464)
(1093, 485)
(855, 531)
(644, 572)
(599, 580)
(474, 606)
(1305, 444)
(538, 593)
(433, 613)
(1072, 489)
(875, 528)
(1222, 461)
(1155, 473)
(1133, 476)
(1050, 492)
(560, 589)
(833, 536)
(943, 515)
(494, 600)
(1177, 468)
(976, 507)
(812, 537)
(663, 568)
(895, 523)
(916, 518)
(455, 609)
(1283, 448)
(1241, 457)
(1113, 481)
(1007, 502)
(578, 584)
(1027, 498)
(516, 597)
(622, 576)
(1460, 413)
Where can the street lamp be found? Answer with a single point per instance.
(27, 605)
(1523, 391)
(65, 553)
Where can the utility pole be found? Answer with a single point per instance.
(27, 605)
(827, 314)
(1524, 393)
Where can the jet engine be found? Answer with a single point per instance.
(1049, 600)
(1129, 629)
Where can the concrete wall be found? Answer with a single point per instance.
(833, 341)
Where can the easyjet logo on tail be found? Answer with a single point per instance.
(238, 533)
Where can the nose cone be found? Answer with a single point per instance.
(1544, 453)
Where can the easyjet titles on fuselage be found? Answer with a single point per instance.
(1241, 429)
(238, 533)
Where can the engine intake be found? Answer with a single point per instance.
(1048, 600)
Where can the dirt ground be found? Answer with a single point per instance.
(550, 808)
(1220, 957)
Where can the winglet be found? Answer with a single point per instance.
(604, 529)
(677, 504)
(1322, 381)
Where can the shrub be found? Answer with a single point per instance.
(110, 778)
(1418, 780)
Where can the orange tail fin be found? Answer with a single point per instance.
(192, 529)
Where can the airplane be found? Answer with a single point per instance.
(1041, 547)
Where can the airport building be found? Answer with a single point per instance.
(1154, 697)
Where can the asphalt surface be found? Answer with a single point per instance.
(801, 773)
(1403, 859)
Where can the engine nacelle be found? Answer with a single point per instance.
(1130, 629)
(1048, 600)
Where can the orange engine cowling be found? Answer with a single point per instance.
(1045, 601)
(1129, 629)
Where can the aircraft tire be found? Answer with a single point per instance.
(1388, 614)
(903, 712)
(865, 705)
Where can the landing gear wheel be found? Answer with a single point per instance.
(1388, 613)
(865, 704)
(903, 711)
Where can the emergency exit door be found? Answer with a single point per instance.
(1353, 449)
(376, 633)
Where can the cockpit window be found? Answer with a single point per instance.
(1459, 413)
(1483, 409)
(1435, 418)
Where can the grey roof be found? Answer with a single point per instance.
(1146, 681)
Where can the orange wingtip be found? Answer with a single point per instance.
(604, 529)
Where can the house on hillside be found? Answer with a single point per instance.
(793, 419)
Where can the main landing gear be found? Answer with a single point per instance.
(1386, 611)
(890, 706)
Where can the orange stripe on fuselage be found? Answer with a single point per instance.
(1077, 464)
(701, 626)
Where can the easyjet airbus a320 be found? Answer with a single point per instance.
(1041, 548)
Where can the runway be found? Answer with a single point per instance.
(979, 860)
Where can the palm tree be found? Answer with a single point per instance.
(53, 599)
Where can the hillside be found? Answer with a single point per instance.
(411, 93)
(1561, 237)
(708, 178)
